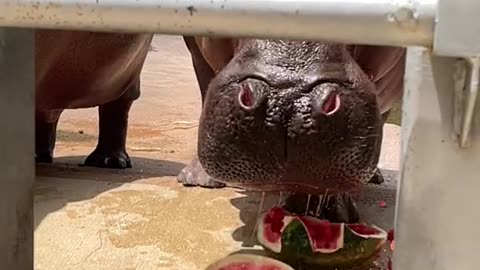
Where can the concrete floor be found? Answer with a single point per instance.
(141, 218)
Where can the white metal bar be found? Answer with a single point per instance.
(16, 148)
(376, 22)
(470, 99)
(457, 30)
(437, 201)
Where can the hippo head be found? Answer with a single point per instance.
(291, 115)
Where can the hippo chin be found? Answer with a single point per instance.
(292, 115)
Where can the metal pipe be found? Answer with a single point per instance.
(375, 22)
(470, 101)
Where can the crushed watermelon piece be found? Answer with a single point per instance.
(390, 235)
(362, 229)
(248, 262)
(324, 234)
(390, 238)
(249, 266)
(273, 224)
(382, 204)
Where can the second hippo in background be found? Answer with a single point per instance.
(77, 69)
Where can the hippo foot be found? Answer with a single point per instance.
(44, 157)
(377, 179)
(337, 208)
(195, 175)
(115, 160)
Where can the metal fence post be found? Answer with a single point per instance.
(16, 148)
(437, 203)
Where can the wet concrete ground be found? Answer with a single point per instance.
(141, 218)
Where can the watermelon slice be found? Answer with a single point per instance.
(310, 241)
(248, 262)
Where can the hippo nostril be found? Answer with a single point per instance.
(331, 104)
(246, 96)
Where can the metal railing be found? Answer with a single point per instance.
(395, 22)
(436, 213)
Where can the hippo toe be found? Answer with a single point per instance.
(115, 160)
(195, 175)
(43, 157)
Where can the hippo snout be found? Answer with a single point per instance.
(287, 129)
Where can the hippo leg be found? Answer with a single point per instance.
(45, 134)
(194, 174)
(113, 118)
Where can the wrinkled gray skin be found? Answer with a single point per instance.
(291, 115)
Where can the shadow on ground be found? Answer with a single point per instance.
(76, 137)
(69, 168)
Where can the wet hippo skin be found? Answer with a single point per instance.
(77, 69)
(291, 115)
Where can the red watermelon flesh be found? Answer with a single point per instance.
(273, 224)
(248, 262)
(249, 266)
(391, 239)
(326, 237)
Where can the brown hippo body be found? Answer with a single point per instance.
(291, 115)
(77, 69)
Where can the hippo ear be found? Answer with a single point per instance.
(203, 71)
(217, 51)
(385, 66)
(209, 56)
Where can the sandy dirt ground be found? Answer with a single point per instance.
(141, 218)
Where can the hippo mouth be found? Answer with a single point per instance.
(335, 207)
(282, 186)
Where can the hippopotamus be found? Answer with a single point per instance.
(77, 69)
(300, 116)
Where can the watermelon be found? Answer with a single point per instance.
(248, 262)
(311, 242)
(390, 238)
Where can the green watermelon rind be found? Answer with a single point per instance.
(357, 250)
